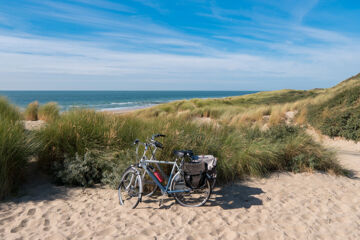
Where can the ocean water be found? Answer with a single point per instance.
(110, 100)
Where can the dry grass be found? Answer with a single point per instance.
(277, 116)
(300, 118)
(49, 111)
(31, 112)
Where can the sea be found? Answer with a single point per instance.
(110, 100)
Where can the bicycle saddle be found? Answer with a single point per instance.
(183, 153)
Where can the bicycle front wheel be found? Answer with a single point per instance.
(130, 188)
(192, 198)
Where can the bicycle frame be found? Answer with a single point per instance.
(143, 164)
(164, 189)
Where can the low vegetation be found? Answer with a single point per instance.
(31, 112)
(252, 135)
(49, 112)
(339, 115)
(70, 142)
(15, 148)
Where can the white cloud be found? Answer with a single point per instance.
(34, 56)
(125, 53)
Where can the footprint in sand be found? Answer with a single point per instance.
(69, 223)
(46, 225)
(7, 219)
(21, 225)
(46, 222)
(31, 212)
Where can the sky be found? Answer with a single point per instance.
(177, 44)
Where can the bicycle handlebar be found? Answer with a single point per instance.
(157, 135)
(152, 141)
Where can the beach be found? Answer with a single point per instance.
(282, 206)
(249, 110)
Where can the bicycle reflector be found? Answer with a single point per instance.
(158, 176)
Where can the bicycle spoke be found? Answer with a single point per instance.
(129, 189)
(193, 198)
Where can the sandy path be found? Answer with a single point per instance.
(284, 206)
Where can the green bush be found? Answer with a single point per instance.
(31, 112)
(49, 112)
(15, 148)
(345, 124)
(85, 170)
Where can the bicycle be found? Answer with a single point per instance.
(131, 187)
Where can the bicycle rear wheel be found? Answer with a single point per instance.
(193, 198)
(130, 188)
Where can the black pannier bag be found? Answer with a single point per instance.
(194, 174)
(210, 161)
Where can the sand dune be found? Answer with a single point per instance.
(284, 206)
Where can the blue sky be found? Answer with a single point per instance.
(177, 44)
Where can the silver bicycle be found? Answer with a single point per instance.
(142, 179)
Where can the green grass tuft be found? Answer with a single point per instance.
(8, 111)
(31, 112)
(15, 148)
(49, 111)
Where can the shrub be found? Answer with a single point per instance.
(49, 111)
(31, 112)
(345, 124)
(15, 148)
(78, 170)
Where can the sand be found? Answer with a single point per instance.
(283, 206)
(34, 125)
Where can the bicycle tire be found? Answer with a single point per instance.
(180, 197)
(213, 179)
(127, 190)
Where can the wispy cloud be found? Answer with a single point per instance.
(153, 4)
(104, 4)
(50, 57)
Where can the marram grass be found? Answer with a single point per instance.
(15, 149)
(31, 111)
(242, 152)
(83, 147)
(49, 111)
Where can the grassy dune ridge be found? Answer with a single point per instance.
(242, 151)
(335, 111)
(252, 135)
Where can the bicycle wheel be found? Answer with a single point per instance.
(130, 188)
(193, 198)
(213, 179)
